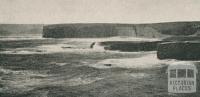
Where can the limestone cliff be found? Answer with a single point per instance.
(157, 30)
(20, 29)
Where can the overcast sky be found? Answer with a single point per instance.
(98, 11)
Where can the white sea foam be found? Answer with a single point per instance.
(147, 61)
(21, 80)
(82, 81)
(68, 45)
(27, 37)
(114, 39)
(98, 47)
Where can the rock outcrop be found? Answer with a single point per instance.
(127, 46)
(179, 50)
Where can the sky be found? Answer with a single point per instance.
(98, 11)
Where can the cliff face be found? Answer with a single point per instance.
(88, 30)
(78, 30)
(157, 30)
(20, 29)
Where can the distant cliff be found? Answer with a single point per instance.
(90, 30)
(155, 30)
(20, 29)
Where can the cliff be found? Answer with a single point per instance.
(95, 30)
(20, 29)
(156, 30)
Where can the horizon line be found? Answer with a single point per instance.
(99, 23)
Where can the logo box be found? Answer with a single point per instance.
(182, 77)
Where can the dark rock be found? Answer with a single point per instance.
(92, 45)
(130, 46)
(179, 50)
(181, 38)
(107, 64)
(66, 47)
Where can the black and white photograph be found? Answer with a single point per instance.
(99, 48)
